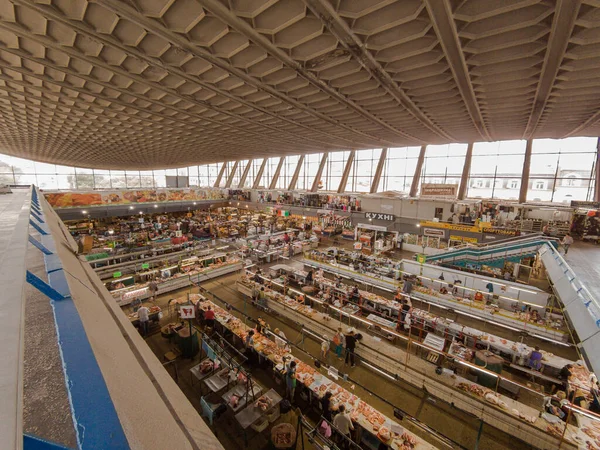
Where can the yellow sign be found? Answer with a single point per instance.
(472, 240)
(453, 226)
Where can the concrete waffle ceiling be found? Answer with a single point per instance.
(139, 84)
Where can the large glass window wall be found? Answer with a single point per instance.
(561, 170)
(399, 169)
(496, 169)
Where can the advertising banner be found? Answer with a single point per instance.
(124, 197)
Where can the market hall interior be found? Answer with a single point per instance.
(299, 224)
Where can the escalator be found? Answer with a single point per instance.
(495, 255)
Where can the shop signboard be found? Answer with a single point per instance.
(421, 258)
(438, 190)
(471, 240)
(582, 204)
(433, 232)
(380, 216)
(501, 231)
(187, 312)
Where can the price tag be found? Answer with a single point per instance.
(187, 312)
(145, 266)
(116, 274)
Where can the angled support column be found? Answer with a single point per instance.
(273, 184)
(378, 171)
(346, 173)
(315, 185)
(417, 177)
(464, 179)
(294, 180)
(220, 176)
(259, 175)
(245, 174)
(232, 174)
(525, 173)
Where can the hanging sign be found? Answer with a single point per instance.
(438, 190)
(432, 232)
(380, 216)
(187, 312)
(421, 258)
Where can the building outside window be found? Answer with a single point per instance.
(443, 162)
(496, 169)
(399, 169)
(564, 167)
(363, 170)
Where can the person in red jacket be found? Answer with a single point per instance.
(209, 317)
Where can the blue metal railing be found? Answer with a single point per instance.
(97, 425)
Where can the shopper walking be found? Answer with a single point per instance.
(567, 242)
(325, 346)
(350, 339)
(343, 423)
(144, 318)
(153, 288)
(338, 341)
(290, 381)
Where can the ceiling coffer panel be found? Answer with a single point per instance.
(143, 84)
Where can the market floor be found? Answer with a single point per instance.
(382, 393)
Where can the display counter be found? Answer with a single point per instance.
(173, 277)
(368, 418)
(514, 417)
(502, 317)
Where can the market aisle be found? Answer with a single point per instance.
(584, 259)
(453, 423)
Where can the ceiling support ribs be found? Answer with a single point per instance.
(46, 42)
(238, 24)
(108, 40)
(440, 12)
(133, 15)
(565, 15)
(350, 41)
(46, 79)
